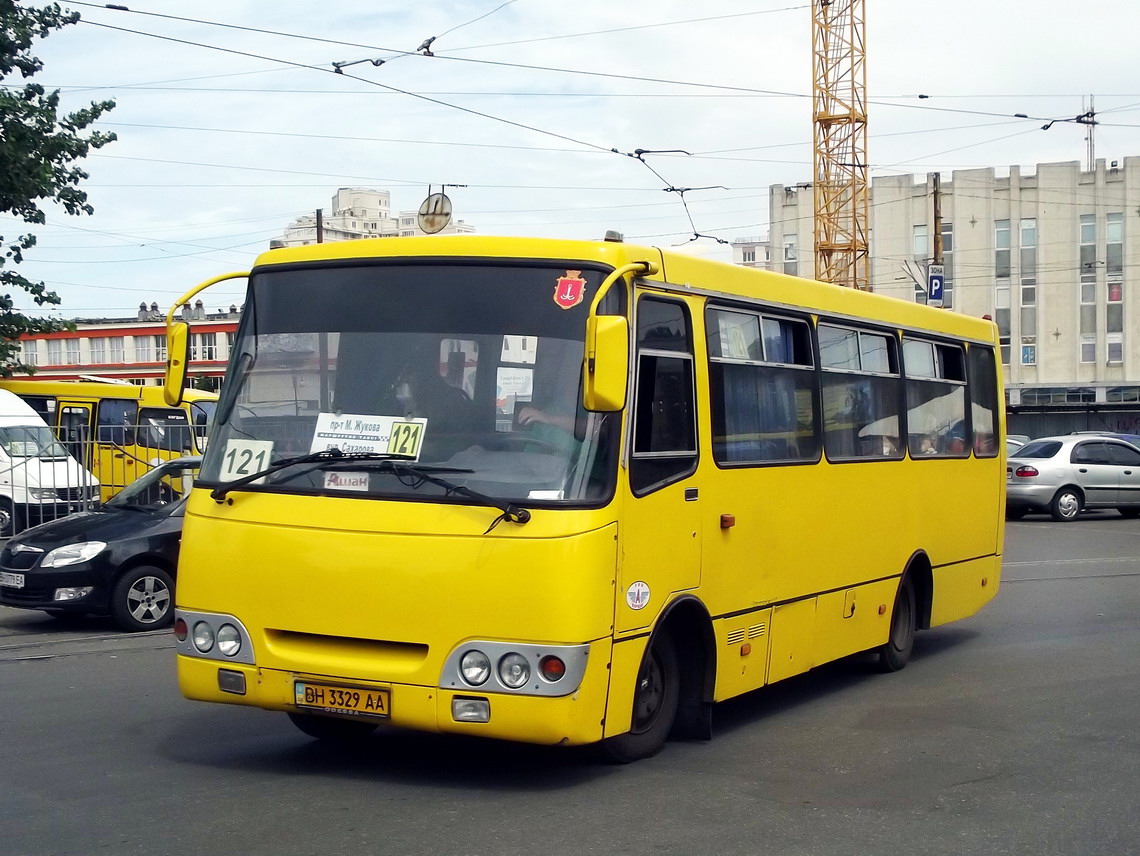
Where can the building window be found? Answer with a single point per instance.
(29, 352)
(791, 265)
(1114, 245)
(1114, 310)
(117, 349)
(143, 349)
(1001, 251)
(1028, 248)
(204, 346)
(1028, 352)
(72, 347)
(1115, 348)
(749, 256)
(1088, 245)
(1001, 318)
(98, 350)
(1088, 349)
(920, 241)
(54, 352)
(948, 265)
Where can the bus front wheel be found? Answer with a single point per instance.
(331, 728)
(655, 700)
(895, 652)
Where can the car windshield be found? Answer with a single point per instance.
(1039, 449)
(31, 441)
(160, 486)
(476, 368)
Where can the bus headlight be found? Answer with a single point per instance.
(475, 666)
(229, 640)
(203, 637)
(514, 670)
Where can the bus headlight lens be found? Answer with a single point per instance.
(203, 637)
(475, 667)
(514, 670)
(229, 640)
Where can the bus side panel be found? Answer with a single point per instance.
(793, 629)
(742, 653)
(853, 620)
(962, 589)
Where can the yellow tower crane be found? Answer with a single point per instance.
(839, 105)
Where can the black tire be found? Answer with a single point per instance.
(1129, 511)
(1066, 505)
(655, 701)
(895, 652)
(143, 599)
(332, 728)
(1015, 513)
(9, 518)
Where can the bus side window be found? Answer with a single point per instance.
(117, 421)
(665, 437)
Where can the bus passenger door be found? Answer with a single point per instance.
(74, 431)
(660, 528)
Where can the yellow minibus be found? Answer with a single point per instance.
(574, 492)
(118, 430)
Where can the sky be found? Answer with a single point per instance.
(226, 134)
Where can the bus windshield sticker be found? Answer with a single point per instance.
(569, 289)
(354, 433)
(336, 480)
(244, 458)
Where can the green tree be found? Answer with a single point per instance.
(38, 152)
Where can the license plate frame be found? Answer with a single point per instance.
(343, 699)
(10, 580)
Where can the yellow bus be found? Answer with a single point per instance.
(118, 430)
(569, 492)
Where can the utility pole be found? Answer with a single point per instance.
(320, 225)
(1091, 117)
(937, 218)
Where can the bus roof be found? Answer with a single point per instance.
(150, 396)
(693, 273)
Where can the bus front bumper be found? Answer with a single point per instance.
(573, 719)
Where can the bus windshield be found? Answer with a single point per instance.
(472, 367)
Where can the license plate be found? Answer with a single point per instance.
(354, 700)
(11, 580)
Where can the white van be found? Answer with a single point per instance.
(39, 480)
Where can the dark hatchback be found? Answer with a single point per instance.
(118, 560)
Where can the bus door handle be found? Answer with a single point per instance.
(1082, 470)
(1128, 472)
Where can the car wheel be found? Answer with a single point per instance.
(143, 599)
(655, 700)
(9, 518)
(1066, 505)
(1129, 511)
(1015, 513)
(895, 652)
(332, 728)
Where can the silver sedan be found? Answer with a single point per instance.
(1067, 475)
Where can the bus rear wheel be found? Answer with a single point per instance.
(895, 652)
(655, 701)
(332, 728)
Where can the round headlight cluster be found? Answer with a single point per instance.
(227, 638)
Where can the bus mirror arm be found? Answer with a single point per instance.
(606, 364)
(178, 340)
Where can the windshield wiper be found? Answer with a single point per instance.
(511, 512)
(399, 466)
(322, 457)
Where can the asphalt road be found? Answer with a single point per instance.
(1014, 732)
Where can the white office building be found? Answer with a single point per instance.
(1051, 254)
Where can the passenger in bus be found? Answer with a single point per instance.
(422, 392)
(956, 440)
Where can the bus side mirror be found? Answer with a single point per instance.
(607, 363)
(177, 358)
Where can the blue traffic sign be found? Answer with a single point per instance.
(935, 280)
